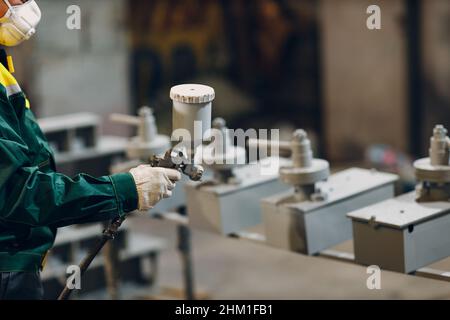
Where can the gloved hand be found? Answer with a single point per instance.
(153, 184)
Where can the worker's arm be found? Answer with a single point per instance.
(35, 198)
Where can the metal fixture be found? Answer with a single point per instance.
(433, 173)
(229, 202)
(305, 171)
(222, 156)
(311, 217)
(410, 231)
(148, 142)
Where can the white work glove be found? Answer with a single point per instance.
(153, 184)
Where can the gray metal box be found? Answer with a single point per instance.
(228, 208)
(401, 234)
(311, 226)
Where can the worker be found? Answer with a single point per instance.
(35, 200)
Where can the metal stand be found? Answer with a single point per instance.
(185, 249)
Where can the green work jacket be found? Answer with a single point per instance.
(35, 200)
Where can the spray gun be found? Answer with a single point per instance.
(173, 159)
(192, 104)
(178, 159)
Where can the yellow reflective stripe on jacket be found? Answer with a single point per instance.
(8, 81)
(10, 64)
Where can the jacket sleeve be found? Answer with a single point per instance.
(35, 198)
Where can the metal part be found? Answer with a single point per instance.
(226, 208)
(411, 231)
(436, 168)
(230, 202)
(148, 142)
(185, 249)
(305, 170)
(312, 217)
(72, 133)
(222, 156)
(313, 224)
(281, 148)
(408, 234)
(433, 173)
(439, 147)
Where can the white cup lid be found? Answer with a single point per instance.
(192, 93)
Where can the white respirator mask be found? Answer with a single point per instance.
(19, 23)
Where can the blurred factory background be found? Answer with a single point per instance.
(364, 95)
(310, 64)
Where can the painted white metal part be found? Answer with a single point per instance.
(318, 170)
(436, 168)
(305, 169)
(310, 226)
(225, 208)
(425, 171)
(148, 142)
(401, 234)
(222, 154)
